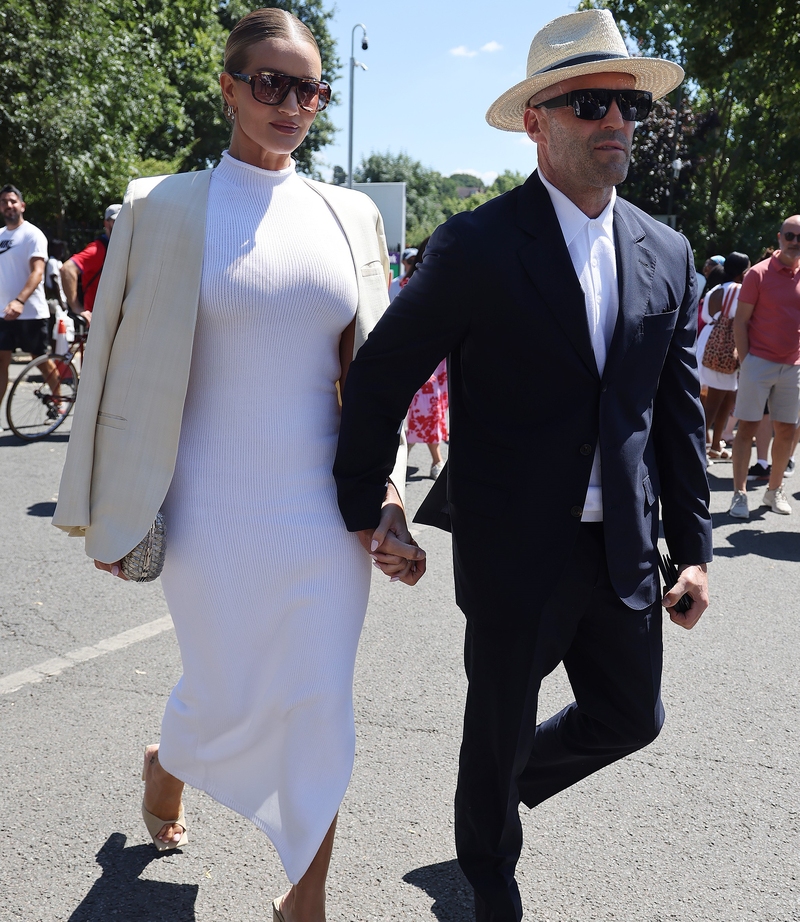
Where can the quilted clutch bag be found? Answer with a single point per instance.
(146, 561)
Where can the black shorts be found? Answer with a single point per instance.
(27, 335)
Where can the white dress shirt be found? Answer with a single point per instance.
(590, 242)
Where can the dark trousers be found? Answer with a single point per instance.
(613, 658)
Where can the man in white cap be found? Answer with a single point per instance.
(80, 274)
(586, 309)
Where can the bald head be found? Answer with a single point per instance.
(789, 242)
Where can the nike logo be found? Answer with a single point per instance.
(5, 246)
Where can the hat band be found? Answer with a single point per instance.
(582, 59)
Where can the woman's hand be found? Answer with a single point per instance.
(393, 550)
(113, 568)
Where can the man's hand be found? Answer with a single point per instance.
(86, 316)
(13, 310)
(391, 546)
(692, 580)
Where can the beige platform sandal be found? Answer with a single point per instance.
(155, 824)
(277, 915)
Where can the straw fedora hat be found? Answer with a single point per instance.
(587, 42)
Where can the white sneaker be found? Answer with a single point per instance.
(739, 508)
(790, 468)
(777, 501)
(436, 469)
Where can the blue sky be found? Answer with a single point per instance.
(434, 69)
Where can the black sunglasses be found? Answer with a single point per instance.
(592, 105)
(790, 236)
(271, 89)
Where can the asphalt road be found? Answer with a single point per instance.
(703, 825)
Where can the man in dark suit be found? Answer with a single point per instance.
(569, 318)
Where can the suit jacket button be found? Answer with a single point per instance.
(577, 511)
(586, 449)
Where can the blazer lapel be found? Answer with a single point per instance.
(547, 262)
(636, 266)
(368, 250)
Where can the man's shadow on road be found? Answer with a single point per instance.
(450, 890)
(119, 893)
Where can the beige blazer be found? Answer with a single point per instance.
(125, 434)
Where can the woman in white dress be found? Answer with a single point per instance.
(721, 388)
(266, 587)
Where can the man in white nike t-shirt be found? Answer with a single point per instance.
(23, 308)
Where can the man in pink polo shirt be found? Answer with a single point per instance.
(767, 333)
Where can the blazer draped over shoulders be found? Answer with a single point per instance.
(126, 430)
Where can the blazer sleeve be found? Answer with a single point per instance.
(422, 325)
(398, 473)
(679, 439)
(72, 510)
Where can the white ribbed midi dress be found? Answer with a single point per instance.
(266, 587)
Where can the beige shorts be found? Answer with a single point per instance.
(762, 381)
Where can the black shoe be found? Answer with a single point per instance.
(759, 472)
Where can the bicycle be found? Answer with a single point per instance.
(42, 397)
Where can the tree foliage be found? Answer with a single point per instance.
(94, 94)
(430, 197)
(739, 118)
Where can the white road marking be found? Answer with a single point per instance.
(58, 664)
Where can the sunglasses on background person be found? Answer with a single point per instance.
(790, 236)
(271, 89)
(592, 105)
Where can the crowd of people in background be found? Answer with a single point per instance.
(748, 354)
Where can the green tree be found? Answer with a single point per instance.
(742, 106)
(506, 181)
(469, 180)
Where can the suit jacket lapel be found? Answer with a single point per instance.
(636, 266)
(547, 261)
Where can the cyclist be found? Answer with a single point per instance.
(80, 274)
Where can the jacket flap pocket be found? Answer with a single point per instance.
(373, 268)
(114, 422)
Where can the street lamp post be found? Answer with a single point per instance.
(353, 65)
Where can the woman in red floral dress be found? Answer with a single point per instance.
(427, 415)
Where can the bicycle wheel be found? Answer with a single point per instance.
(41, 399)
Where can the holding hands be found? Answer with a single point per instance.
(393, 550)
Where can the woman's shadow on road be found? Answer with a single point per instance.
(450, 890)
(119, 893)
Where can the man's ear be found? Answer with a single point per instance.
(532, 123)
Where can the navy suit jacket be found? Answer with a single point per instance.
(497, 293)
